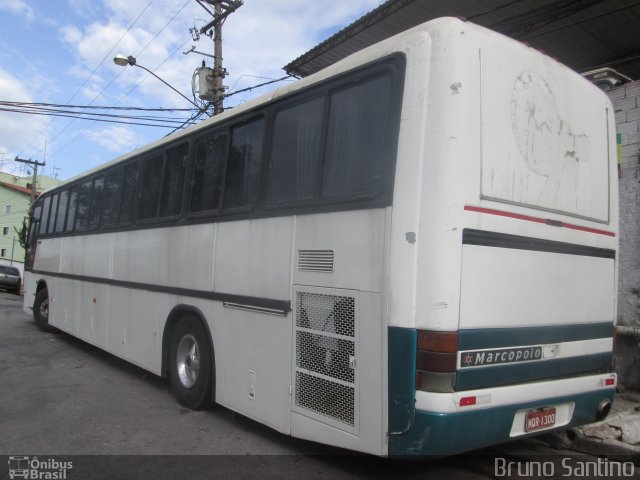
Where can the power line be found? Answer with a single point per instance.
(257, 86)
(120, 73)
(94, 71)
(96, 107)
(80, 114)
(75, 117)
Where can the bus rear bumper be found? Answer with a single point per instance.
(443, 433)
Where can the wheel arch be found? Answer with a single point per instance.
(42, 283)
(172, 320)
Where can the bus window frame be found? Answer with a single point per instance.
(394, 64)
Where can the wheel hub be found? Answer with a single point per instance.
(188, 360)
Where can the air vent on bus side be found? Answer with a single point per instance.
(326, 384)
(315, 260)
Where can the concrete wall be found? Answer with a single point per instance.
(626, 102)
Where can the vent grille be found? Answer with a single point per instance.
(315, 260)
(325, 397)
(326, 355)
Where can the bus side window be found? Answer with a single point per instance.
(82, 208)
(37, 212)
(243, 168)
(53, 215)
(111, 198)
(45, 215)
(129, 186)
(71, 215)
(149, 187)
(62, 210)
(175, 168)
(96, 203)
(357, 139)
(295, 153)
(207, 172)
(35, 220)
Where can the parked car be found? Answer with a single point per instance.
(10, 279)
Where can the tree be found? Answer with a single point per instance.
(23, 235)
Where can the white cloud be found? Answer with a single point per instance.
(116, 138)
(17, 130)
(18, 7)
(259, 39)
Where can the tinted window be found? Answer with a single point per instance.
(243, 169)
(37, 211)
(295, 153)
(73, 204)
(97, 197)
(82, 208)
(175, 168)
(129, 185)
(45, 215)
(111, 197)
(207, 172)
(357, 143)
(53, 215)
(62, 210)
(149, 187)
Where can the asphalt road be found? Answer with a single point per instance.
(64, 400)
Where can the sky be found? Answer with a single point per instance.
(61, 52)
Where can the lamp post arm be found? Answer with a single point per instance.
(168, 85)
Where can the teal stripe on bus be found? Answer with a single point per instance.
(512, 373)
(402, 344)
(473, 339)
(440, 434)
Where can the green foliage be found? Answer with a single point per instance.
(23, 235)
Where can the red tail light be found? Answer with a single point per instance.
(437, 353)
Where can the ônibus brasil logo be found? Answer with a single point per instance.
(35, 469)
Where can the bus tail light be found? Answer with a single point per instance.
(468, 401)
(436, 360)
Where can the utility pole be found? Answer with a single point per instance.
(221, 10)
(35, 164)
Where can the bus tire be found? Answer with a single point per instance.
(190, 362)
(41, 312)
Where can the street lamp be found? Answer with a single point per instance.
(123, 61)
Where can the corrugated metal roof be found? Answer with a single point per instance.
(582, 34)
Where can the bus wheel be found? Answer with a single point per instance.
(190, 370)
(41, 312)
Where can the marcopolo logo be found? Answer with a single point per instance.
(36, 469)
(479, 358)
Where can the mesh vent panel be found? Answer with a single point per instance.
(325, 397)
(326, 355)
(326, 313)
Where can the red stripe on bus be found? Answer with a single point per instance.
(528, 218)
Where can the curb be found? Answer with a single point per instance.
(574, 439)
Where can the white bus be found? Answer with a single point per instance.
(411, 252)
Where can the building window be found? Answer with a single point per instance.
(5, 231)
(7, 209)
(3, 252)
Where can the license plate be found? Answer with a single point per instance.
(537, 419)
